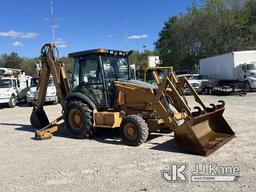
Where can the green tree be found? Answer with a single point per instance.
(29, 65)
(68, 63)
(216, 27)
(140, 58)
(13, 60)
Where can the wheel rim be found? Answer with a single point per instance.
(75, 119)
(130, 131)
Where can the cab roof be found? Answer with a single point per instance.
(8, 78)
(100, 51)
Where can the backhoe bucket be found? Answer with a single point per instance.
(38, 118)
(205, 133)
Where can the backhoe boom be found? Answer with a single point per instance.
(50, 66)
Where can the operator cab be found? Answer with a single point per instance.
(94, 72)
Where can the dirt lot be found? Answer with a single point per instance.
(105, 164)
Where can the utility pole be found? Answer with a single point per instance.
(53, 25)
(194, 4)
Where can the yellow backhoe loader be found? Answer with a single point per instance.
(103, 95)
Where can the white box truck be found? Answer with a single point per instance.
(153, 61)
(231, 69)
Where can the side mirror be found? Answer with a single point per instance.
(243, 68)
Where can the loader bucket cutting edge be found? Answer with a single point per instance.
(204, 134)
(38, 118)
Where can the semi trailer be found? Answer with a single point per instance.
(231, 71)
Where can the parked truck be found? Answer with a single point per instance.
(51, 95)
(13, 86)
(235, 70)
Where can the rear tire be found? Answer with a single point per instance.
(78, 119)
(134, 130)
(12, 102)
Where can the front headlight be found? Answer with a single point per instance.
(254, 83)
(52, 93)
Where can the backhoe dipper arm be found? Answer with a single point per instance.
(50, 65)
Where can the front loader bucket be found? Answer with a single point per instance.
(205, 133)
(38, 118)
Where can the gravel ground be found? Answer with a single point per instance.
(105, 164)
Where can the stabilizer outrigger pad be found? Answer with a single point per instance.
(38, 118)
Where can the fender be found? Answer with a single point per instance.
(80, 96)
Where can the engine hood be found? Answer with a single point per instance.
(252, 73)
(32, 89)
(5, 90)
(51, 90)
(139, 83)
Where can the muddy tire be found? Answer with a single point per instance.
(12, 102)
(134, 130)
(78, 119)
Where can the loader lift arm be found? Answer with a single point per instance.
(201, 132)
(50, 66)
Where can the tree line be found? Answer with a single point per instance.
(13, 60)
(215, 27)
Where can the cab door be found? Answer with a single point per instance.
(87, 79)
(242, 72)
(15, 86)
(110, 71)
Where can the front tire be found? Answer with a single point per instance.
(247, 86)
(55, 102)
(78, 119)
(134, 130)
(12, 102)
